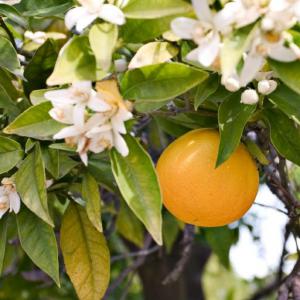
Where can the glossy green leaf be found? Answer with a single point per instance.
(153, 53)
(91, 195)
(85, 253)
(8, 56)
(160, 82)
(12, 13)
(51, 161)
(10, 154)
(289, 73)
(170, 126)
(103, 38)
(66, 164)
(285, 135)
(35, 122)
(288, 101)
(205, 89)
(38, 241)
(170, 231)
(256, 152)
(76, 62)
(7, 104)
(233, 117)
(3, 241)
(150, 9)
(138, 183)
(149, 106)
(31, 185)
(40, 67)
(129, 226)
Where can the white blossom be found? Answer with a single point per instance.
(82, 16)
(9, 198)
(38, 37)
(249, 96)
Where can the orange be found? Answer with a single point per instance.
(198, 193)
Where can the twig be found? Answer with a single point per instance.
(135, 254)
(271, 207)
(139, 261)
(188, 238)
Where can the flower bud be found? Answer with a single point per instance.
(266, 87)
(267, 24)
(121, 65)
(249, 96)
(232, 84)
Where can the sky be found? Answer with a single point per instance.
(251, 258)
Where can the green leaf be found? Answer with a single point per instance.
(151, 9)
(38, 96)
(153, 53)
(205, 89)
(129, 226)
(40, 67)
(285, 135)
(49, 8)
(149, 106)
(86, 255)
(3, 241)
(256, 152)
(160, 82)
(7, 104)
(234, 47)
(288, 101)
(10, 154)
(35, 122)
(170, 231)
(76, 62)
(66, 164)
(138, 183)
(8, 56)
(31, 185)
(170, 126)
(131, 31)
(38, 241)
(51, 161)
(233, 117)
(12, 13)
(91, 195)
(220, 240)
(103, 39)
(101, 171)
(289, 73)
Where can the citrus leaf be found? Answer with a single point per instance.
(12, 13)
(8, 56)
(288, 101)
(160, 82)
(38, 241)
(10, 154)
(150, 9)
(31, 185)
(138, 183)
(91, 195)
(35, 122)
(86, 255)
(153, 53)
(75, 63)
(103, 38)
(129, 226)
(285, 135)
(233, 117)
(51, 161)
(3, 241)
(289, 73)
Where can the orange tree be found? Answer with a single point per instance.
(92, 92)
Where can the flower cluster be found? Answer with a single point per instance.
(269, 37)
(95, 118)
(84, 15)
(9, 198)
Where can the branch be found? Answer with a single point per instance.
(188, 238)
(9, 33)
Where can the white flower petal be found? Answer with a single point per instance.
(83, 86)
(62, 114)
(96, 130)
(112, 14)
(74, 15)
(202, 10)
(249, 97)
(207, 52)
(282, 53)
(59, 97)
(96, 103)
(252, 65)
(184, 27)
(67, 132)
(79, 115)
(95, 120)
(14, 202)
(2, 212)
(84, 158)
(85, 21)
(120, 144)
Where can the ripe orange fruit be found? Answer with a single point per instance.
(198, 193)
